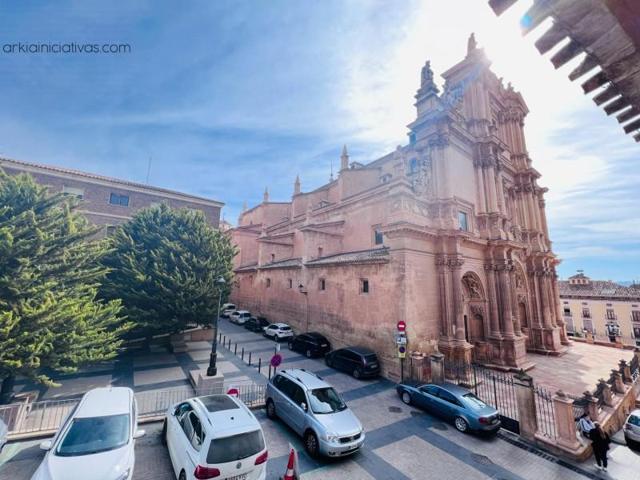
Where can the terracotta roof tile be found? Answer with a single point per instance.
(376, 255)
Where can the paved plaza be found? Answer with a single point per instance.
(402, 442)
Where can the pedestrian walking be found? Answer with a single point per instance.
(600, 442)
(586, 425)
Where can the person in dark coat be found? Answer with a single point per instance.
(600, 442)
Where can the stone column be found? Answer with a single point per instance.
(444, 297)
(437, 367)
(592, 406)
(493, 300)
(491, 180)
(514, 303)
(544, 300)
(505, 287)
(565, 423)
(616, 382)
(525, 400)
(607, 395)
(482, 205)
(456, 263)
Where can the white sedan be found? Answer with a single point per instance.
(96, 440)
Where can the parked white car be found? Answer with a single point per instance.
(228, 309)
(240, 317)
(632, 429)
(215, 436)
(96, 440)
(4, 431)
(278, 331)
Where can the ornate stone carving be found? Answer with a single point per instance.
(520, 282)
(421, 175)
(477, 310)
(473, 286)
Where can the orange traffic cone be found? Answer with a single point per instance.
(290, 474)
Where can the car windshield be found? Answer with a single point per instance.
(285, 329)
(371, 358)
(474, 401)
(236, 447)
(95, 434)
(633, 420)
(326, 400)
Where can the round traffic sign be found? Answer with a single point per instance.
(402, 326)
(233, 391)
(276, 360)
(402, 349)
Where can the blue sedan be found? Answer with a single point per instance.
(454, 403)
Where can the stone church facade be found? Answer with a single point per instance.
(447, 233)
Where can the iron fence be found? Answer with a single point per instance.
(493, 387)
(48, 415)
(545, 412)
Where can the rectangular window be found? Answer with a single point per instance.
(586, 313)
(364, 285)
(463, 221)
(320, 251)
(273, 257)
(611, 314)
(322, 285)
(378, 238)
(588, 325)
(116, 199)
(635, 315)
(268, 282)
(567, 312)
(76, 192)
(290, 283)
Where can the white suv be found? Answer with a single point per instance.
(215, 436)
(240, 317)
(278, 331)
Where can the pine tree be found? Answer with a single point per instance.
(50, 271)
(165, 265)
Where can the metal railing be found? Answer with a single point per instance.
(545, 412)
(48, 415)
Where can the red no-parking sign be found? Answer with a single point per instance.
(402, 326)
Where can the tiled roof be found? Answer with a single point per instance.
(19, 164)
(288, 263)
(247, 268)
(599, 289)
(377, 255)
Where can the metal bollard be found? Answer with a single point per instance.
(269, 376)
(259, 365)
(242, 354)
(249, 358)
(235, 349)
(224, 340)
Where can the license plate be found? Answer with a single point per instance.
(242, 476)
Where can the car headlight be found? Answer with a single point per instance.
(332, 437)
(124, 475)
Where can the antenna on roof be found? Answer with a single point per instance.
(148, 170)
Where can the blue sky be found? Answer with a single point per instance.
(227, 97)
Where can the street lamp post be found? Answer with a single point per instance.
(212, 371)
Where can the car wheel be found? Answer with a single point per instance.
(163, 437)
(461, 424)
(311, 444)
(290, 345)
(309, 354)
(357, 373)
(406, 398)
(183, 476)
(271, 409)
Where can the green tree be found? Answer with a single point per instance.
(164, 266)
(50, 270)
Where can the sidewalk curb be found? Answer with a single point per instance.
(519, 442)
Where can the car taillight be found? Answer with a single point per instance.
(484, 420)
(262, 458)
(205, 472)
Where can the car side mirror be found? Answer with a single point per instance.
(46, 445)
(304, 406)
(139, 434)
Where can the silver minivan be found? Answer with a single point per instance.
(315, 411)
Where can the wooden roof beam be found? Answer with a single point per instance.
(628, 114)
(566, 53)
(537, 14)
(588, 63)
(594, 82)
(616, 105)
(609, 93)
(500, 6)
(550, 38)
(633, 126)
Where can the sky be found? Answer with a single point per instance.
(224, 98)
